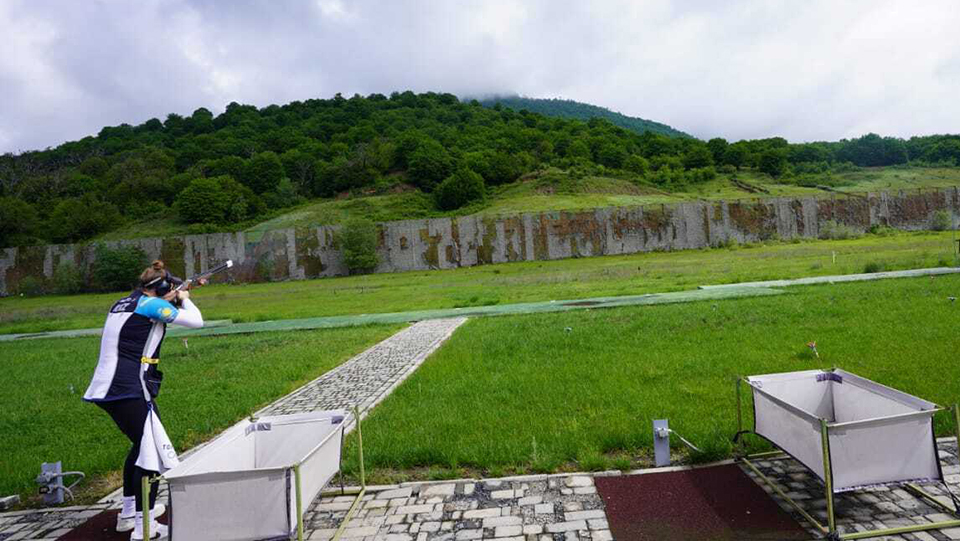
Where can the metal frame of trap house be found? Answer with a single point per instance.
(830, 529)
(291, 471)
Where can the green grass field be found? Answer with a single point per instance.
(549, 190)
(207, 387)
(578, 390)
(512, 282)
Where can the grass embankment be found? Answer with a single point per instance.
(207, 387)
(551, 190)
(512, 282)
(578, 390)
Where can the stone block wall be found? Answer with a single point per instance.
(445, 243)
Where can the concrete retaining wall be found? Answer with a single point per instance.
(444, 243)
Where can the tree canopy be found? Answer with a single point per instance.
(234, 167)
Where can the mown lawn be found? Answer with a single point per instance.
(578, 390)
(511, 282)
(207, 387)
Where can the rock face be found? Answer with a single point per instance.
(444, 243)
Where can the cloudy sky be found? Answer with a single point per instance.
(811, 70)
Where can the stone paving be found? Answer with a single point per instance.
(533, 508)
(869, 509)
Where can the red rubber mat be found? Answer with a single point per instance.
(101, 527)
(719, 503)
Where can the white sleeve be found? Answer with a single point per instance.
(189, 315)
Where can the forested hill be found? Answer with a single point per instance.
(247, 164)
(580, 111)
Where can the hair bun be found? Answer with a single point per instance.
(157, 265)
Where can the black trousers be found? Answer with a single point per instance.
(130, 415)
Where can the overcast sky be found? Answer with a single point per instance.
(810, 70)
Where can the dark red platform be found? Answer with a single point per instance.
(101, 527)
(719, 503)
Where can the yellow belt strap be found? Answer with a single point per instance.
(148, 360)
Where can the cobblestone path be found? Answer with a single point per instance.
(368, 378)
(524, 509)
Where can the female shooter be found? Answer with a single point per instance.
(127, 381)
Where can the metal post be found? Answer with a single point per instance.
(740, 444)
(145, 504)
(827, 475)
(363, 478)
(296, 476)
(956, 421)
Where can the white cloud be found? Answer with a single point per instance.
(742, 69)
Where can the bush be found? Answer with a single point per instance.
(831, 229)
(31, 286)
(882, 230)
(458, 189)
(77, 219)
(942, 220)
(203, 201)
(874, 266)
(117, 269)
(68, 280)
(358, 239)
(217, 200)
(18, 222)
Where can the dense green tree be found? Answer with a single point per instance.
(263, 172)
(203, 201)
(718, 148)
(459, 189)
(76, 219)
(773, 162)
(697, 156)
(358, 238)
(429, 164)
(18, 222)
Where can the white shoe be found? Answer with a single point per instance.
(125, 524)
(157, 531)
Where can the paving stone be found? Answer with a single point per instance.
(508, 531)
(560, 527)
(543, 508)
(582, 515)
(482, 513)
(493, 522)
(465, 535)
(579, 481)
(439, 490)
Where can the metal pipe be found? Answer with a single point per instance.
(827, 475)
(897, 416)
(956, 420)
(740, 445)
(296, 476)
(919, 492)
(346, 519)
(902, 529)
(789, 500)
(363, 478)
(145, 505)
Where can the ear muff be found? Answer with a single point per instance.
(160, 284)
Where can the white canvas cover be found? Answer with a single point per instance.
(241, 485)
(876, 434)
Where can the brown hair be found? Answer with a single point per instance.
(151, 273)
